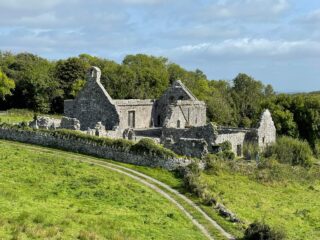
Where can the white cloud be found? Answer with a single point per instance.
(245, 9)
(146, 2)
(29, 4)
(262, 47)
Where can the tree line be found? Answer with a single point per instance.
(33, 82)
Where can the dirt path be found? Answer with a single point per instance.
(147, 181)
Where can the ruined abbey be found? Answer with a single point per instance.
(177, 120)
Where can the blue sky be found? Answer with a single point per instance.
(275, 41)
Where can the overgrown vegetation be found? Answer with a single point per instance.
(226, 151)
(147, 145)
(291, 151)
(261, 231)
(52, 196)
(251, 151)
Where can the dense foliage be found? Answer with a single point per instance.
(42, 85)
(291, 151)
(6, 85)
(261, 231)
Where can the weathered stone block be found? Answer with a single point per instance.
(70, 123)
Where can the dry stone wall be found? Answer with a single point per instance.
(91, 148)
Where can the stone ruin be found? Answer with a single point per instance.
(177, 120)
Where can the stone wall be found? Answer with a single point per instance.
(174, 138)
(266, 130)
(186, 114)
(45, 122)
(191, 147)
(91, 148)
(207, 132)
(70, 123)
(177, 107)
(178, 104)
(93, 104)
(236, 137)
(143, 111)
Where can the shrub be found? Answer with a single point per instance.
(227, 155)
(211, 161)
(291, 151)
(191, 180)
(251, 151)
(316, 149)
(261, 231)
(226, 146)
(225, 151)
(147, 145)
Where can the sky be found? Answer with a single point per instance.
(274, 41)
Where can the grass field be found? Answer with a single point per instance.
(286, 201)
(289, 199)
(43, 196)
(20, 115)
(291, 204)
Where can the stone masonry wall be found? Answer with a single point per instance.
(143, 110)
(174, 105)
(266, 130)
(173, 136)
(190, 147)
(237, 139)
(188, 113)
(91, 148)
(93, 104)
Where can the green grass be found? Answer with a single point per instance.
(285, 197)
(45, 196)
(20, 115)
(290, 201)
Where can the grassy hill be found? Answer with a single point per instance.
(83, 198)
(284, 197)
(45, 196)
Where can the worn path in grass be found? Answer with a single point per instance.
(204, 224)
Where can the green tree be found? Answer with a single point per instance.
(282, 115)
(150, 75)
(247, 94)
(6, 85)
(306, 109)
(35, 85)
(76, 87)
(69, 71)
